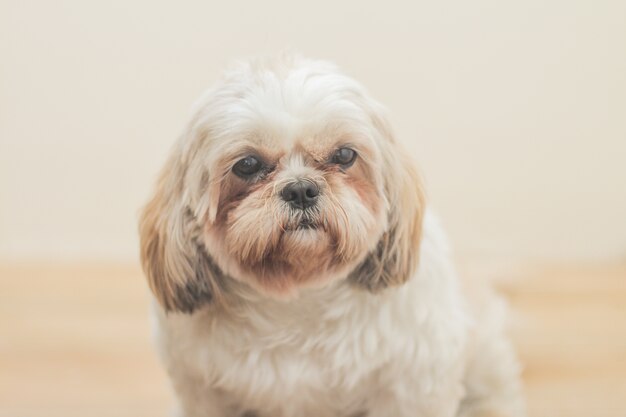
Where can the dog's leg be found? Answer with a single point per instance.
(205, 404)
(400, 400)
(492, 382)
(492, 377)
(195, 399)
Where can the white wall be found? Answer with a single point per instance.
(516, 111)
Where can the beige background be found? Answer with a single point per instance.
(516, 111)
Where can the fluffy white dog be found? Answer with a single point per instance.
(297, 270)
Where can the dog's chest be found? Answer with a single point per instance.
(318, 358)
(309, 360)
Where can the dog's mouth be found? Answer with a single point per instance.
(303, 224)
(307, 225)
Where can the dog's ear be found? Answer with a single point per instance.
(396, 256)
(181, 274)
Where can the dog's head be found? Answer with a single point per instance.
(287, 176)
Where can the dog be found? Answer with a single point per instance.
(297, 271)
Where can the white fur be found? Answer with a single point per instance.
(339, 351)
(328, 348)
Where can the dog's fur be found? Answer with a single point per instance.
(357, 314)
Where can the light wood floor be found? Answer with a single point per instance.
(75, 340)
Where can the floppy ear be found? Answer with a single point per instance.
(395, 258)
(181, 274)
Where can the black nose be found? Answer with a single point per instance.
(300, 194)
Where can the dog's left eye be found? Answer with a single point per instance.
(247, 166)
(344, 157)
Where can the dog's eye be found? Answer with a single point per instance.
(344, 157)
(247, 166)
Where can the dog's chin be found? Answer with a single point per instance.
(299, 244)
(302, 238)
(305, 256)
(280, 256)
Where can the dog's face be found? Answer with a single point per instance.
(287, 176)
(297, 201)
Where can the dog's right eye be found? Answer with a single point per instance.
(247, 166)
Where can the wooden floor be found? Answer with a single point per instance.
(75, 340)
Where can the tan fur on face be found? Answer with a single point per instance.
(395, 257)
(181, 274)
